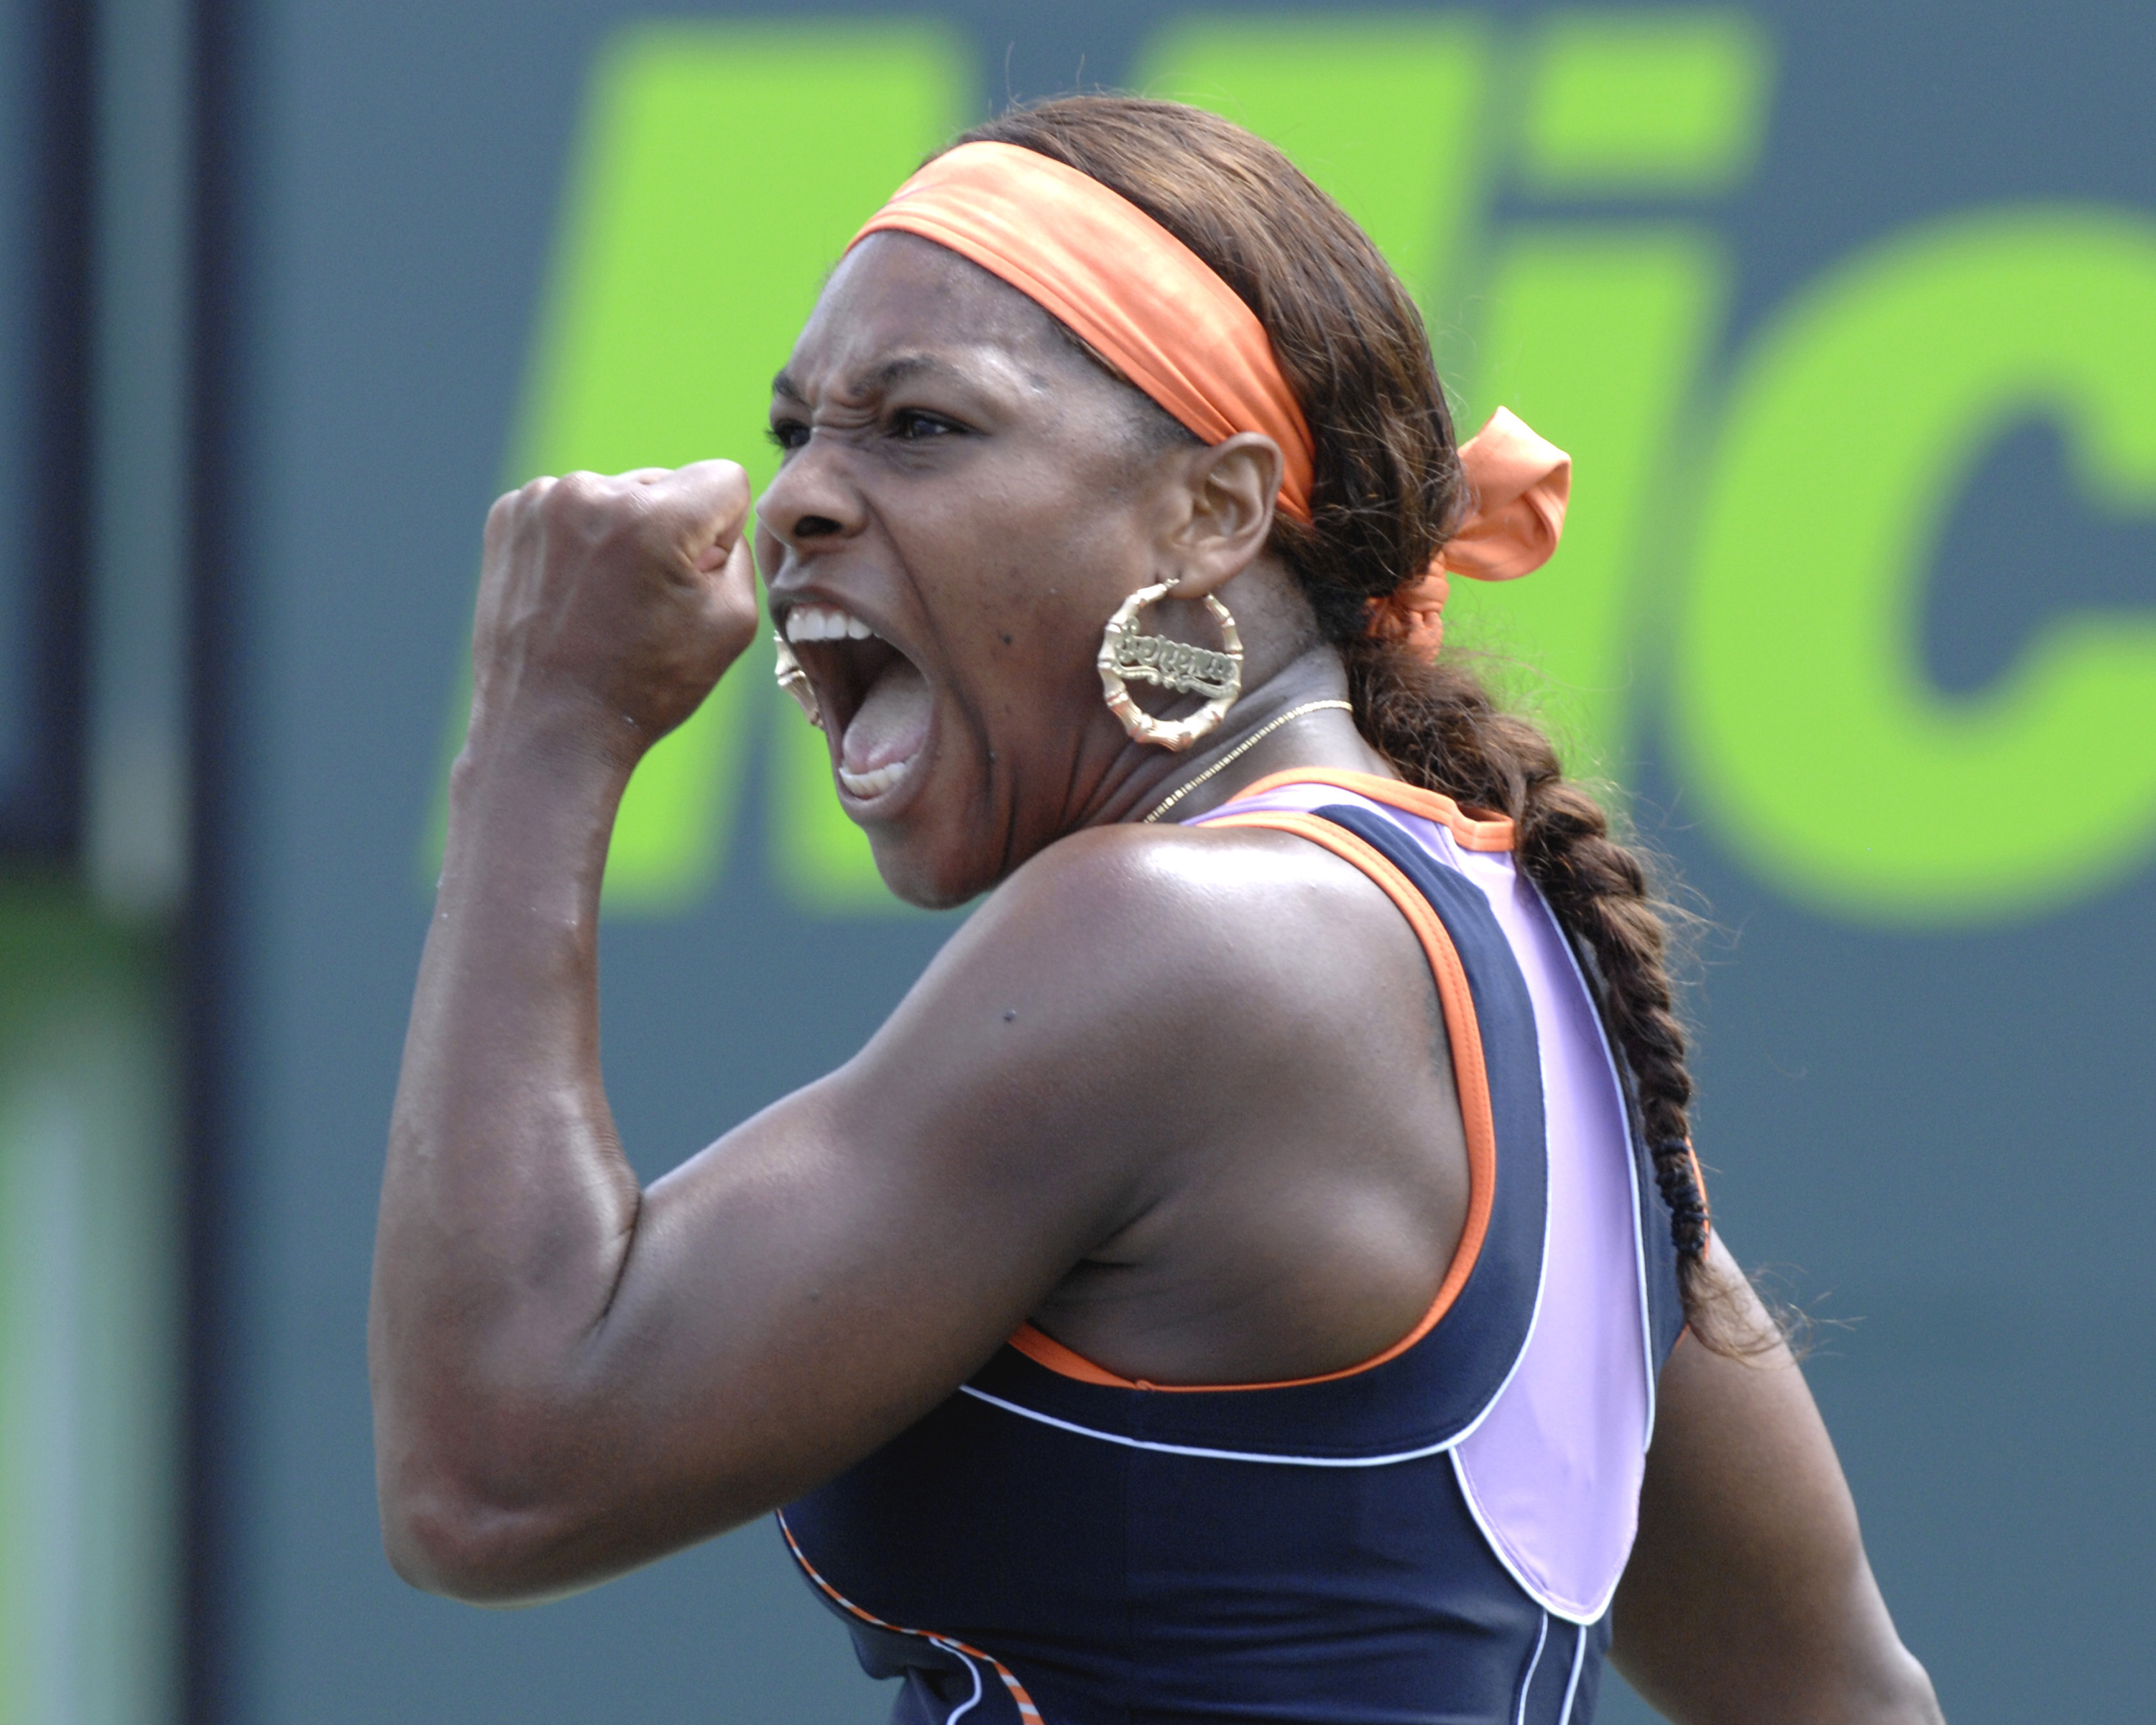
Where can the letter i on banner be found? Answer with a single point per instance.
(1597, 331)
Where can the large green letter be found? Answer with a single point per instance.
(1827, 758)
(1623, 102)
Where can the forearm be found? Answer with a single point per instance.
(1711, 1651)
(507, 1206)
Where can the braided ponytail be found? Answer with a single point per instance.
(1439, 727)
(1386, 493)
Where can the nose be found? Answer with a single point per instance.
(811, 502)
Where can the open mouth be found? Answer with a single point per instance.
(872, 698)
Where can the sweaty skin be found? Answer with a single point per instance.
(1178, 1096)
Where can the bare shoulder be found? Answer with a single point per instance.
(1202, 884)
(1236, 944)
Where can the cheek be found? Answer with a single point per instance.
(1020, 563)
(1032, 627)
(1031, 584)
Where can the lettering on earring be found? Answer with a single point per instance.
(1176, 665)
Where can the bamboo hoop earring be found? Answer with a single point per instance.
(794, 681)
(1169, 665)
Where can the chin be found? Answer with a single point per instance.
(929, 870)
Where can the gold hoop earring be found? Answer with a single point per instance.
(1169, 665)
(794, 681)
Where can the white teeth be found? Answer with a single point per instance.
(875, 782)
(824, 623)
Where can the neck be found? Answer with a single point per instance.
(1213, 770)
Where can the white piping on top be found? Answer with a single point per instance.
(1527, 1682)
(1207, 1455)
(972, 1701)
(1132, 1443)
(1571, 1689)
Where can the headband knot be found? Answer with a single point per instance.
(1520, 484)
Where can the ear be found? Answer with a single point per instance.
(1221, 512)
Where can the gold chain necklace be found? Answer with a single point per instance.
(1243, 747)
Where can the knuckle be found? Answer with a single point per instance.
(730, 478)
(571, 500)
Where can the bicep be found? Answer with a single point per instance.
(1749, 1596)
(830, 1271)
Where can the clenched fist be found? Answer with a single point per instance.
(610, 605)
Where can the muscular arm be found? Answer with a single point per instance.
(1748, 1599)
(573, 1377)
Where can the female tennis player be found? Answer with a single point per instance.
(1260, 1272)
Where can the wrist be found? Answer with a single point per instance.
(534, 802)
(566, 742)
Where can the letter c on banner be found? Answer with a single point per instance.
(1804, 713)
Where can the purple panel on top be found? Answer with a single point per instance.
(1553, 1469)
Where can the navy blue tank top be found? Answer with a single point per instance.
(1432, 1535)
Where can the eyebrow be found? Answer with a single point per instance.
(891, 371)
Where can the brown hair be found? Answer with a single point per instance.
(1388, 491)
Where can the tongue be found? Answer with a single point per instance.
(892, 722)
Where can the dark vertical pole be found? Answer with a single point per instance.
(44, 818)
(216, 560)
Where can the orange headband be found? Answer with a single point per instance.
(1155, 311)
(1127, 287)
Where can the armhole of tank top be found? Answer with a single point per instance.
(1470, 1080)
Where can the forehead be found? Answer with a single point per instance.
(897, 295)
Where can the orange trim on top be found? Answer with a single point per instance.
(1043, 1349)
(1470, 832)
(1470, 1078)
(1027, 1710)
